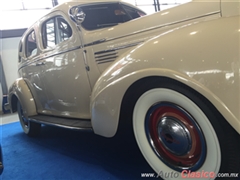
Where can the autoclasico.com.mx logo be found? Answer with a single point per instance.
(189, 174)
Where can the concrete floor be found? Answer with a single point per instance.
(8, 118)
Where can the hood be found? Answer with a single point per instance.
(181, 13)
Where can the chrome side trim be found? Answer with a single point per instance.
(62, 126)
(48, 56)
(118, 48)
(104, 51)
(95, 42)
(164, 25)
(77, 124)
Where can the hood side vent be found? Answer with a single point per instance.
(105, 56)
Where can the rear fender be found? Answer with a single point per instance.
(19, 91)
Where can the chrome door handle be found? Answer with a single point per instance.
(40, 63)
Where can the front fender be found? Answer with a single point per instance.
(107, 98)
(194, 55)
(19, 91)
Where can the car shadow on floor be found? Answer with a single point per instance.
(118, 156)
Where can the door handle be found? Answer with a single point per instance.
(40, 63)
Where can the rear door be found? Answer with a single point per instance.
(29, 67)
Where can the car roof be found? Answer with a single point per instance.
(83, 2)
(64, 7)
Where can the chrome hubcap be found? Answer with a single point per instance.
(174, 136)
(24, 119)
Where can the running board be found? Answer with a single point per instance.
(77, 124)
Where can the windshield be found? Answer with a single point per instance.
(106, 15)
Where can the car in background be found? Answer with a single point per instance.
(1, 161)
(172, 76)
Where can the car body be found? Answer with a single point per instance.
(174, 73)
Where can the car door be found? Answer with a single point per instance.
(29, 69)
(64, 74)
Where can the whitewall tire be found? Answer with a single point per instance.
(174, 134)
(30, 128)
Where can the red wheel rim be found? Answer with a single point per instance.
(175, 136)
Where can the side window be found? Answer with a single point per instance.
(55, 31)
(64, 30)
(134, 13)
(103, 15)
(20, 52)
(107, 15)
(31, 44)
(49, 33)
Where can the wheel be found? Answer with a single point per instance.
(178, 132)
(30, 128)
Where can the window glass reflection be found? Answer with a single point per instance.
(64, 30)
(31, 44)
(55, 31)
(49, 34)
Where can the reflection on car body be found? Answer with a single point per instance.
(169, 76)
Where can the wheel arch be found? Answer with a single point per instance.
(14, 100)
(147, 82)
(109, 99)
(19, 91)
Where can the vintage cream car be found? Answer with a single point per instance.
(172, 77)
